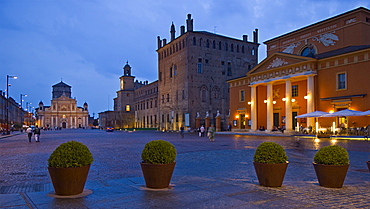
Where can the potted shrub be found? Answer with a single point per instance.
(69, 166)
(270, 163)
(158, 162)
(331, 165)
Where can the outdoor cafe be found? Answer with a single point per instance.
(343, 123)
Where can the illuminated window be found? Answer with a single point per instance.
(128, 108)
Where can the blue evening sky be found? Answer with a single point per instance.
(87, 42)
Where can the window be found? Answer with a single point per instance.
(194, 41)
(174, 70)
(341, 81)
(183, 94)
(214, 44)
(199, 67)
(203, 93)
(128, 108)
(170, 72)
(243, 50)
(168, 97)
(294, 90)
(232, 47)
(219, 45)
(242, 96)
(226, 47)
(229, 69)
(162, 98)
(207, 44)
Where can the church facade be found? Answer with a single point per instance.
(63, 111)
(324, 67)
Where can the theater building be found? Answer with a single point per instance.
(324, 66)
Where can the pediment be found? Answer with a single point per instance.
(63, 98)
(278, 61)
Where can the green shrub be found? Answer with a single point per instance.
(158, 152)
(70, 154)
(332, 155)
(270, 152)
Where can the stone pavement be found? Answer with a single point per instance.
(207, 175)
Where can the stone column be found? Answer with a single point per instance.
(208, 123)
(197, 122)
(218, 123)
(253, 108)
(288, 106)
(270, 108)
(310, 99)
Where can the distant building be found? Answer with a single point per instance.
(63, 111)
(192, 73)
(16, 114)
(323, 66)
(123, 115)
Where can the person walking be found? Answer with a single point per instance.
(37, 134)
(29, 133)
(211, 133)
(202, 131)
(182, 131)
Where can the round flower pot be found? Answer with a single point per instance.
(270, 175)
(368, 164)
(69, 181)
(157, 176)
(331, 176)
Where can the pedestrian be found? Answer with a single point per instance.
(37, 134)
(182, 131)
(202, 131)
(29, 133)
(211, 133)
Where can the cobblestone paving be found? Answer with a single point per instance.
(222, 172)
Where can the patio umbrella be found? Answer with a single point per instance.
(314, 114)
(343, 113)
(366, 113)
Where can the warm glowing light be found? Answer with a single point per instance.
(284, 99)
(293, 100)
(305, 97)
(249, 103)
(237, 116)
(246, 116)
(265, 101)
(331, 111)
(273, 102)
(333, 141)
(317, 140)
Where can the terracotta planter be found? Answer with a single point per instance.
(331, 176)
(270, 175)
(368, 164)
(157, 176)
(69, 181)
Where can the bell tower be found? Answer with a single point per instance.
(126, 80)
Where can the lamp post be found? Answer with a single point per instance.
(7, 102)
(22, 115)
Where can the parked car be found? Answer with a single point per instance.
(109, 129)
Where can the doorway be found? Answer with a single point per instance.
(276, 119)
(64, 125)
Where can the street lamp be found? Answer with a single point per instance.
(7, 102)
(22, 115)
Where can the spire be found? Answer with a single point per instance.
(173, 31)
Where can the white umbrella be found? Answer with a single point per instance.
(314, 114)
(343, 113)
(366, 113)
